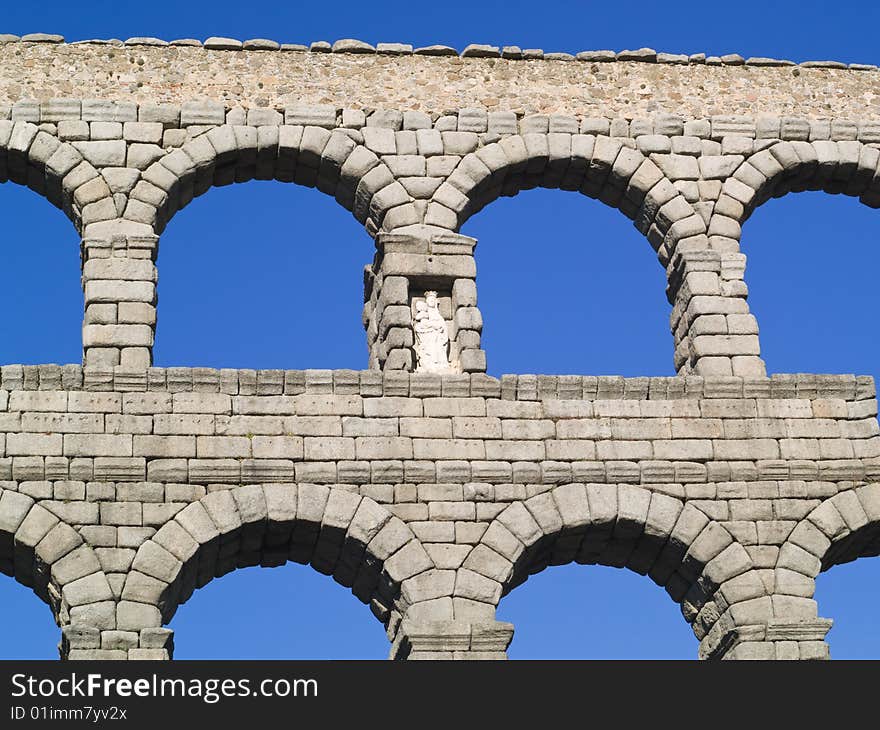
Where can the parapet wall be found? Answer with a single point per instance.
(590, 84)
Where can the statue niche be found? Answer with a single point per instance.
(431, 336)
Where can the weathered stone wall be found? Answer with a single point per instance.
(124, 487)
(598, 85)
(431, 496)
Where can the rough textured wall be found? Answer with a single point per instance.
(431, 497)
(173, 74)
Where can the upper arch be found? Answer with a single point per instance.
(844, 167)
(56, 170)
(600, 167)
(331, 161)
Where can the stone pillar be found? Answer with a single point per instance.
(119, 280)
(452, 640)
(715, 334)
(79, 641)
(776, 639)
(406, 266)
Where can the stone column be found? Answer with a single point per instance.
(452, 640)
(408, 264)
(79, 641)
(715, 334)
(777, 639)
(119, 280)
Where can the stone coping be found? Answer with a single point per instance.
(374, 383)
(473, 50)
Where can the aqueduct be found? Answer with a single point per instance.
(430, 494)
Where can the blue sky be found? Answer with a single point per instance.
(796, 29)
(566, 285)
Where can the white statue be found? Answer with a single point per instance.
(431, 336)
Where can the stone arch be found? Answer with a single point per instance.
(43, 552)
(57, 171)
(839, 530)
(604, 168)
(330, 160)
(839, 167)
(698, 562)
(844, 167)
(340, 533)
